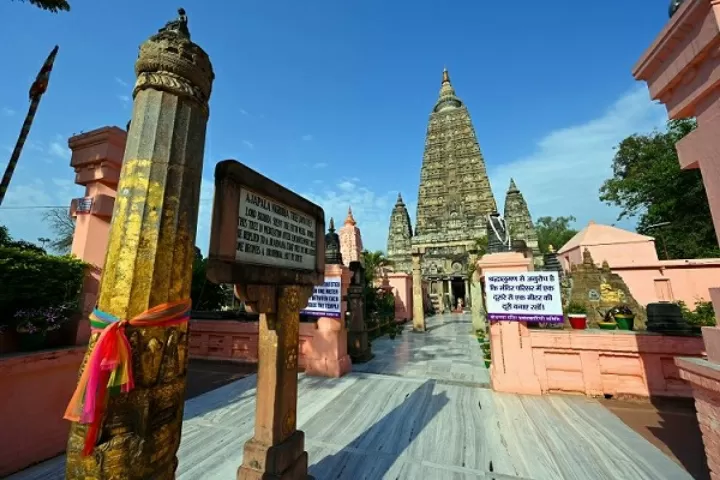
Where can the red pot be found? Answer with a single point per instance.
(578, 322)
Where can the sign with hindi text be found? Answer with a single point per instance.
(523, 297)
(326, 299)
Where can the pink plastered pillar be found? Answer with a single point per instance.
(682, 71)
(512, 369)
(97, 160)
(327, 355)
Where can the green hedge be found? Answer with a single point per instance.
(30, 279)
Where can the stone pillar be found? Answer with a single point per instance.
(328, 352)
(277, 450)
(149, 259)
(97, 159)
(477, 308)
(418, 312)
(682, 75)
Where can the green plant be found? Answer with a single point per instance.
(576, 308)
(44, 320)
(702, 316)
(31, 280)
(206, 295)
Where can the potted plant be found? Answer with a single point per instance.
(623, 316)
(577, 315)
(35, 325)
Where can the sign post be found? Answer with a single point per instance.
(531, 297)
(326, 299)
(269, 242)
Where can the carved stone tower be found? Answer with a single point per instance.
(332, 246)
(400, 238)
(454, 197)
(351, 245)
(519, 222)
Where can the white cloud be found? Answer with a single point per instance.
(244, 112)
(122, 82)
(125, 99)
(59, 150)
(307, 138)
(320, 165)
(248, 144)
(8, 112)
(563, 175)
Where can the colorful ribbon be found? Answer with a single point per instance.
(109, 369)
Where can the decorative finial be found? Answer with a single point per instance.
(350, 220)
(331, 229)
(551, 249)
(446, 76)
(674, 7)
(178, 26)
(512, 187)
(399, 199)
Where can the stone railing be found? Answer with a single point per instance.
(597, 362)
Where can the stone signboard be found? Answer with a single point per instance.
(263, 233)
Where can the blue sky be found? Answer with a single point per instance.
(331, 98)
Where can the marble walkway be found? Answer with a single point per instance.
(419, 410)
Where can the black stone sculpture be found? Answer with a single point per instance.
(332, 246)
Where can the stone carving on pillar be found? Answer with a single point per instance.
(149, 261)
(332, 246)
(275, 282)
(359, 346)
(498, 236)
(418, 310)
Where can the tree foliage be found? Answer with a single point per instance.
(555, 231)
(647, 182)
(205, 295)
(7, 241)
(63, 226)
(373, 261)
(53, 6)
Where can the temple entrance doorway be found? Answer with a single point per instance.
(457, 287)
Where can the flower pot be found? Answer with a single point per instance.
(578, 321)
(625, 322)
(488, 362)
(607, 325)
(30, 342)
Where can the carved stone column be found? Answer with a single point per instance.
(359, 346)
(418, 310)
(149, 259)
(277, 450)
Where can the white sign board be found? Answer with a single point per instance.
(523, 297)
(270, 233)
(326, 299)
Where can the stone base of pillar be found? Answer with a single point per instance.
(285, 461)
(359, 347)
(328, 366)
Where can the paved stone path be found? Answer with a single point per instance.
(425, 415)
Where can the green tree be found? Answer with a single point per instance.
(53, 6)
(373, 261)
(7, 241)
(205, 295)
(63, 226)
(554, 231)
(647, 181)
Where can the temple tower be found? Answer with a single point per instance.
(400, 238)
(518, 220)
(351, 245)
(454, 197)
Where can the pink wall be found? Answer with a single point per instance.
(612, 363)
(36, 388)
(401, 285)
(635, 259)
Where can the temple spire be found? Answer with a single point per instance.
(513, 188)
(447, 98)
(519, 220)
(350, 220)
(331, 229)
